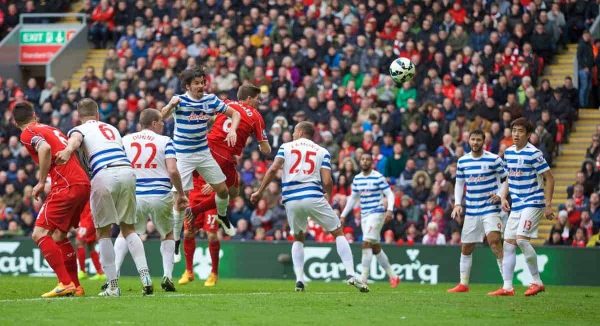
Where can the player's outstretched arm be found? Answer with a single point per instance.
(548, 193)
(277, 164)
(167, 110)
(45, 158)
(180, 199)
(350, 203)
(75, 140)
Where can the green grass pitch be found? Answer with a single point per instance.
(270, 302)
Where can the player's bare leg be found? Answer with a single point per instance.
(167, 249)
(536, 285)
(494, 239)
(222, 201)
(345, 253)
(214, 246)
(298, 260)
(189, 247)
(383, 260)
(136, 249)
(107, 260)
(466, 260)
(53, 255)
(509, 261)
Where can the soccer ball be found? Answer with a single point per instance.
(402, 70)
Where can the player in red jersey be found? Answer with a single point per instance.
(69, 192)
(206, 221)
(86, 238)
(251, 123)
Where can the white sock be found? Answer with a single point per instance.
(222, 204)
(298, 260)
(383, 260)
(177, 224)
(508, 265)
(367, 257)
(136, 248)
(465, 268)
(120, 252)
(343, 249)
(167, 249)
(107, 259)
(499, 262)
(530, 259)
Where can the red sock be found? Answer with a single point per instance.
(214, 247)
(189, 246)
(205, 205)
(81, 258)
(70, 259)
(54, 257)
(96, 261)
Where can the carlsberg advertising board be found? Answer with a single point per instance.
(422, 264)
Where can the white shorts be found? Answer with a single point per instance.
(476, 227)
(159, 209)
(524, 223)
(112, 198)
(371, 227)
(318, 209)
(204, 163)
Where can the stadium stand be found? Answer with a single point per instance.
(478, 66)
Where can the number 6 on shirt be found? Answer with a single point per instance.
(309, 158)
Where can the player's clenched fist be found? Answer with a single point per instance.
(63, 156)
(174, 101)
(37, 190)
(255, 197)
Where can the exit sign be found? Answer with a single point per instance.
(33, 37)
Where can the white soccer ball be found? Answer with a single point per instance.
(402, 70)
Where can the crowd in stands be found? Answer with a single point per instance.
(10, 10)
(478, 66)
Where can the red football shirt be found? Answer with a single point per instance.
(251, 122)
(64, 175)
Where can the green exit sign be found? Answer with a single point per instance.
(43, 37)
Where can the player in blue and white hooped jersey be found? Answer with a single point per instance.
(112, 198)
(306, 185)
(531, 200)
(192, 112)
(368, 188)
(152, 157)
(480, 173)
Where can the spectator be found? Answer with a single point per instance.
(243, 233)
(585, 62)
(579, 240)
(555, 239)
(102, 24)
(433, 236)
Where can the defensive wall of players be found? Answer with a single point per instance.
(423, 264)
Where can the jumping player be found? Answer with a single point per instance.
(112, 198)
(482, 173)
(69, 192)
(531, 185)
(86, 238)
(251, 123)
(368, 188)
(306, 186)
(191, 112)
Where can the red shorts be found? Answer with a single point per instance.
(86, 231)
(229, 170)
(63, 208)
(207, 220)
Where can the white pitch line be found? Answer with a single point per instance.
(179, 295)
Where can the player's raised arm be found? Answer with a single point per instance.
(75, 140)
(167, 110)
(269, 176)
(235, 116)
(548, 193)
(45, 159)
